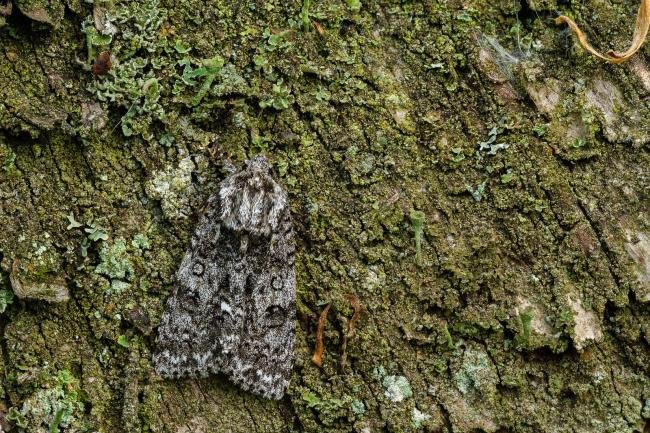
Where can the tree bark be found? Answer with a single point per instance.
(465, 171)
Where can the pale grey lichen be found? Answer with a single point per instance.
(396, 388)
(115, 262)
(418, 418)
(476, 373)
(174, 187)
(358, 408)
(52, 409)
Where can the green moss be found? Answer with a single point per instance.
(417, 223)
(386, 107)
(7, 161)
(6, 298)
(280, 97)
(354, 5)
(123, 341)
(448, 338)
(329, 408)
(211, 67)
(526, 319)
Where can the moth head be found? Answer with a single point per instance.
(251, 200)
(259, 164)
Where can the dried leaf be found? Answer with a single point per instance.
(640, 33)
(318, 352)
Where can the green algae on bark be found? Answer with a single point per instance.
(526, 306)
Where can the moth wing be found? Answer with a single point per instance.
(188, 335)
(259, 356)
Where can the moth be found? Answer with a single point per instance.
(233, 308)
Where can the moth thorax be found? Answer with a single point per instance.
(254, 205)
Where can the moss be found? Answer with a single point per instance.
(526, 319)
(417, 221)
(7, 161)
(375, 109)
(6, 298)
(329, 407)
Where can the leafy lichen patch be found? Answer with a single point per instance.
(174, 188)
(114, 261)
(396, 388)
(476, 374)
(418, 418)
(52, 409)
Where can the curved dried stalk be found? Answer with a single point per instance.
(640, 32)
(320, 347)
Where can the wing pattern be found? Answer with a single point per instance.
(233, 310)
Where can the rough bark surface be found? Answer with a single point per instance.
(463, 169)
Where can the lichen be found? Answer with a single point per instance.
(586, 324)
(358, 408)
(367, 110)
(396, 388)
(141, 242)
(174, 187)
(34, 271)
(51, 409)
(476, 374)
(116, 265)
(418, 418)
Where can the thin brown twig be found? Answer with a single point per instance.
(640, 33)
(318, 352)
